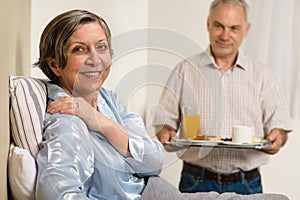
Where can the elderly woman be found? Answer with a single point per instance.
(94, 148)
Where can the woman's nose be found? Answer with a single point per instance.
(93, 59)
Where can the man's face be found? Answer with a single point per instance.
(227, 27)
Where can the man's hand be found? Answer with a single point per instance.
(278, 137)
(166, 134)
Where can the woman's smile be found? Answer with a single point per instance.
(92, 75)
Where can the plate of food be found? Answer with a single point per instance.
(205, 141)
(257, 143)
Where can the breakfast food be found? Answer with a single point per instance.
(257, 140)
(208, 137)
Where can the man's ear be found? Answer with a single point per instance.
(54, 66)
(247, 29)
(207, 24)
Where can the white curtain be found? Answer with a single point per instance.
(274, 39)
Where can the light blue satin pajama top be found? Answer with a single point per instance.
(78, 163)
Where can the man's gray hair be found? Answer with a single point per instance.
(241, 3)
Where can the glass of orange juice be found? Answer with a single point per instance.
(191, 122)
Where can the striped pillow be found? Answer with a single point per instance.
(28, 98)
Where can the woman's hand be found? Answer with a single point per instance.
(96, 121)
(76, 106)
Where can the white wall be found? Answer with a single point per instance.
(135, 73)
(14, 59)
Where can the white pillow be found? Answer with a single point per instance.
(22, 173)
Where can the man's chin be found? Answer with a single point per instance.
(224, 53)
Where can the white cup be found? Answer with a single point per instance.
(242, 134)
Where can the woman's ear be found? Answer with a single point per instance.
(54, 66)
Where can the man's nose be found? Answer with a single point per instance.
(225, 34)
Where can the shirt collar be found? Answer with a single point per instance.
(100, 100)
(56, 92)
(208, 59)
(241, 60)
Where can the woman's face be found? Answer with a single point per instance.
(88, 60)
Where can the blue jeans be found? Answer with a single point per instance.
(190, 183)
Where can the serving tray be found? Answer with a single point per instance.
(182, 143)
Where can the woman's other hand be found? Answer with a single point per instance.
(76, 106)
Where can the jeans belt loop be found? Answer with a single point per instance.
(202, 175)
(219, 178)
(243, 180)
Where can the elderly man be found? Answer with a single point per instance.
(229, 89)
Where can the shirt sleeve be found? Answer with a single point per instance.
(147, 154)
(168, 112)
(274, 106)
(66, 160)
